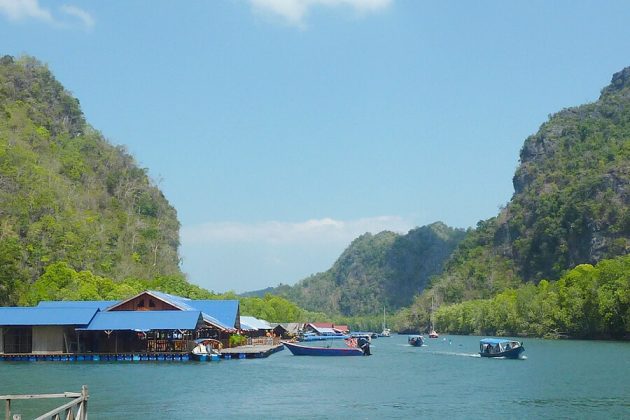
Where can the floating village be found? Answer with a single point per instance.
(157, 326)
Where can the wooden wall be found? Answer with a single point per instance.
(145, 302)
(48, 339)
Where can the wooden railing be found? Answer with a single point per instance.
(263, 341)
(73, 410)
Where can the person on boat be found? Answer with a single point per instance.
(364, 345)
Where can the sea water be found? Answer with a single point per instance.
(446, 378)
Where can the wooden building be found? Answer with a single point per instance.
(149, 322)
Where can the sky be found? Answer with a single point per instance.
(281, 130)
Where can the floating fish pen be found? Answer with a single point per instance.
(103, 357)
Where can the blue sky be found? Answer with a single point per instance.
(282, 129)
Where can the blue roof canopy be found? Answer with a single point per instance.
(25, 316)
(98, 304)
(495, 340)
(225, 311)
(145, 320)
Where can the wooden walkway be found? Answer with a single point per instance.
(76, 409)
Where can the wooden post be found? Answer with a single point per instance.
(85, 396)
(7, 415)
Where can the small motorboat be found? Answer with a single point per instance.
(207, 349)
(301, 350)
(416, 340)
(365, 335)
(434, 334)
(500, 347)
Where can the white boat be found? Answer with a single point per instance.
(206, 350)
(386, 331)
(432, 332)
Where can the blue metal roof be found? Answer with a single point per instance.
(178, 301)
(145, 320)
(98, 304)
(253, 323)
(211, 320)
(225, 311)
(24, 316)
(495, 340)
(220, 313)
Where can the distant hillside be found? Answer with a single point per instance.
(571, 203)
(571, 206)
(66, 194)
(380, 270)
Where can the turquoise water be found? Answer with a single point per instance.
(559, 379)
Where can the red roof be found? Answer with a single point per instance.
(342, 328)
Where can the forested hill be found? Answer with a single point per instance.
(66, 194)
(571, 203)
(571, 206)
(386, 269)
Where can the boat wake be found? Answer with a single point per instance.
(452, 353)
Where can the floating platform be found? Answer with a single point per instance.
(250, 352)
(242, 352)
(94, 357)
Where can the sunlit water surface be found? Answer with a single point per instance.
(444, 379)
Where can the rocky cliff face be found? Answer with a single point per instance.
(619, 83)
(571, 205)
(571, 189)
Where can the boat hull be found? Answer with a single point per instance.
(514, 353)
(299, 350)
(204, 357)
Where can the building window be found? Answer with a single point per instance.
(151, 303)
(141, 303)
(18, 340)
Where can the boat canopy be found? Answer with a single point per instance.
(494, 341)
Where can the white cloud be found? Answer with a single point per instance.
(24, 9)
(310, 231)
(20, 10)
(295, 11)
(82, 15)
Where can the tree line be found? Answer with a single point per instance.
(587, 302)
